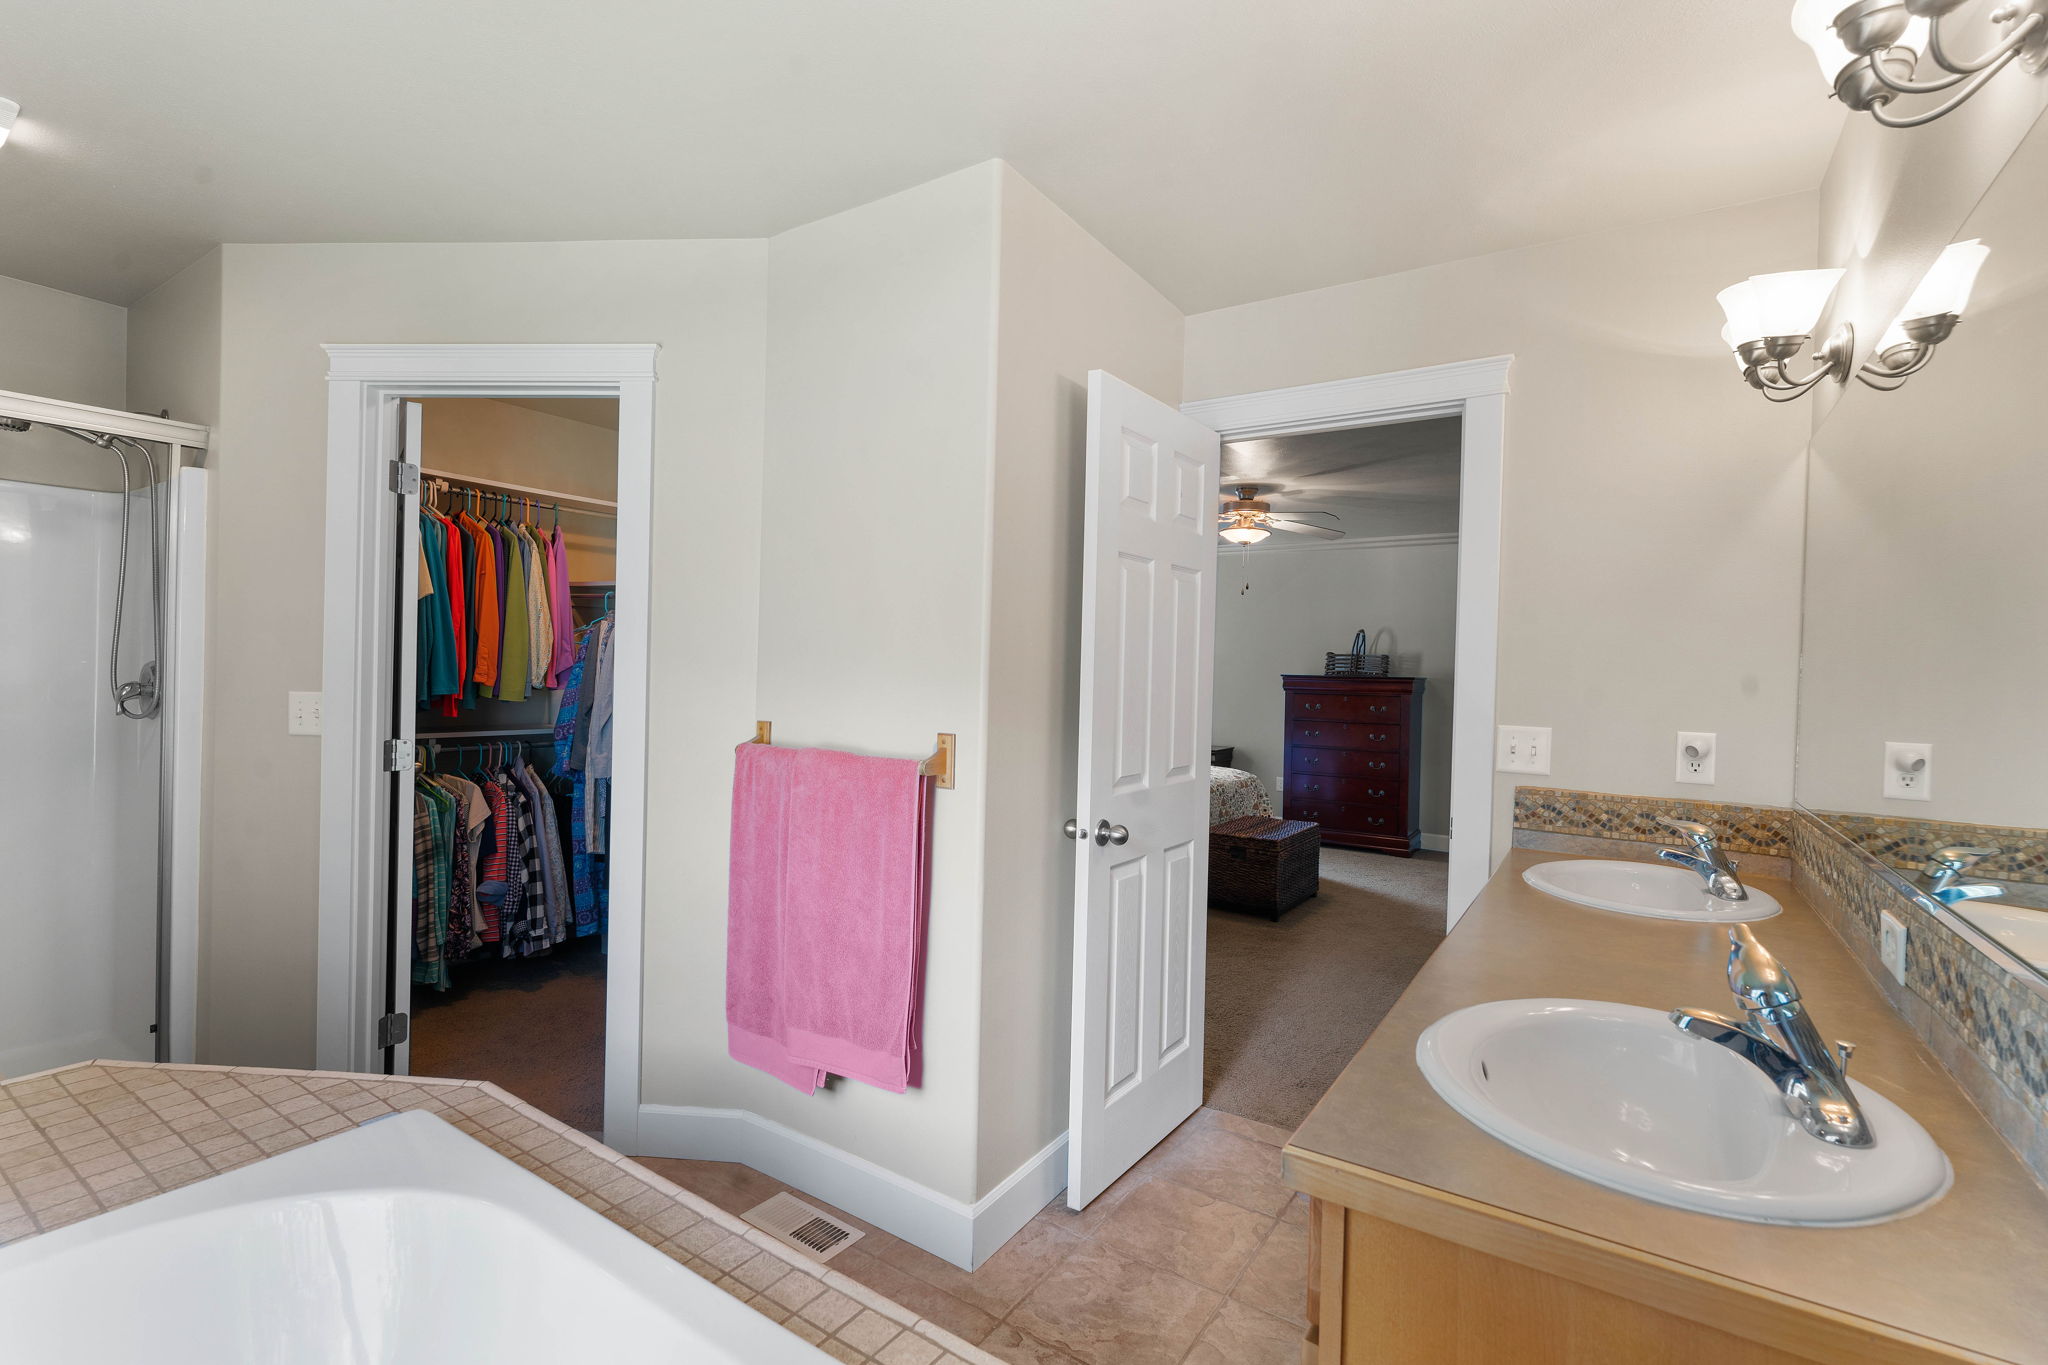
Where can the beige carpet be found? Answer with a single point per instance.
(1291, 1003)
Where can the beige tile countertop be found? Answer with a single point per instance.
(1965, 1272)
(86, 1138)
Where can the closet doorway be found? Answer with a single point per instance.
(513, 552)
(483, 750)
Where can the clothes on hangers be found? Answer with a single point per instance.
(495, 619)
(583, 759)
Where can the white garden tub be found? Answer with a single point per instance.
(401, 1242)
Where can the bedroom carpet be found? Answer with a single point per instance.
(1291, 1003)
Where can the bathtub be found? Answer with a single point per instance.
(401, 1242)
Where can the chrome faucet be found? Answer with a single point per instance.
(1706, 858)
(1946, 865)
(1776, 1035)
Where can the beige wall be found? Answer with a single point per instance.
(174, 344)
(59, 345)
(1066, 306)
(1306, 601)
(492, 440)
(1653, 504)
(702, 302)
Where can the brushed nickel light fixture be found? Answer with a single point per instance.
(1928, 318)
(1771, 320)
(1871, 51)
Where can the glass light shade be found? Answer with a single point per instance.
(1244, 535)
(1813, 21)
(1786, 303)
(1738, 301)
(8, 110)
(1946, 286)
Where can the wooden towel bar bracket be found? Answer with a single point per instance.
(938, 767)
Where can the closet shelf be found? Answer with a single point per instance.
(601, 506)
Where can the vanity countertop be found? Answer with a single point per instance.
(1965, 1273)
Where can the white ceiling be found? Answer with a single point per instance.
(1228, 149)
(1394, 480)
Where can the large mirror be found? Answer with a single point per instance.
(1923, 704)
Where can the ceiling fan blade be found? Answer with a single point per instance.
(1304, 528)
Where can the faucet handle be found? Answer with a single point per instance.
(1844, 1050)
(1754, 975)
(1954, 858)
(1701, 835)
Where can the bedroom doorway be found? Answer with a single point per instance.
(1335, 661)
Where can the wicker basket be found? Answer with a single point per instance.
(1259, 863)
(1360, 662)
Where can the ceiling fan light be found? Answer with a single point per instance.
(1244, 535)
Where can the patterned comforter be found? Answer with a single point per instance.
(1234, 792)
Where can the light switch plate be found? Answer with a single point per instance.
(302, 716)
(1523, 749)
(1909, 771)
(1696, 757)
(1891, 945)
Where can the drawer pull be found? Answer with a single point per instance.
(1314, 760)
(1377, 791)
(1375, 764)
(1377, 735)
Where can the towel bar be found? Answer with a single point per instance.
(938, 766)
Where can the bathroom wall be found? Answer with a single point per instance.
(59, 345)
(1653, 516)
(174, 344)
(703, 302)
(1307, 600)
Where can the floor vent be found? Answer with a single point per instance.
(810, 1230)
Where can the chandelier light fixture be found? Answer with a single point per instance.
(1771, 320)
(1870, 53)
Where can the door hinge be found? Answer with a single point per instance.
(398, 755)
(405, 477)
(393, 1029)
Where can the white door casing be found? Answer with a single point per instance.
(1141, 851)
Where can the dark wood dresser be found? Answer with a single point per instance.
(1351, 745)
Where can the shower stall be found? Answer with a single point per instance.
(102, 579)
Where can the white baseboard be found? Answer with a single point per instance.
(964, 1234)
(1437, 843)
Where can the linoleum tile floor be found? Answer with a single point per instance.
(1198, 1255)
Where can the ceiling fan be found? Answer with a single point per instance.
(1247, 519)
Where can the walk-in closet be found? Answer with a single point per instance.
(505, 665)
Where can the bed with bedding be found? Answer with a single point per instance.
(1233, 792)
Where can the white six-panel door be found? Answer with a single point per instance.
(1142, 824)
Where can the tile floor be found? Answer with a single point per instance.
(1198, 1255)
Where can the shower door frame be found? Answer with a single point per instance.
(366, 386)
(181, 680)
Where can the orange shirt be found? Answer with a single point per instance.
(488, 626)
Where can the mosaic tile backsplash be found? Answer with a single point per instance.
(1759, 830)
(1904, 843)
(1988, 1027)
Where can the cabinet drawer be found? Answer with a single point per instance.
(1341, 817)
(1346, 706)
(1382, 736)
(1356, 791)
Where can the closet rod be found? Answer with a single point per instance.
(481, 734)
(603, 506)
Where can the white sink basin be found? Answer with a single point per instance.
(1656, 890)
(2023, 932)
(1615, 1094)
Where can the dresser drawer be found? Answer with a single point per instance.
(1390, 793)
(1325, 734)
(1340, 817)
(1378, 706)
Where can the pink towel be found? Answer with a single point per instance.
(825, 937)
(754, 921)
(854, 916)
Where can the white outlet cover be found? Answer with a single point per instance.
(1696, 757)
(302, 715)
(1522, 749)
(1891, 945)
(1909, 771)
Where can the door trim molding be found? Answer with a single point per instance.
(1477, 392)
(365, 384)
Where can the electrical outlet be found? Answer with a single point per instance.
(1891, 945)
(1695, 757)
(303, 714)
(1909, 772)
(1523, 749)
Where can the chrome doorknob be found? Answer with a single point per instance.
(1072, 829)
(1106, 833)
